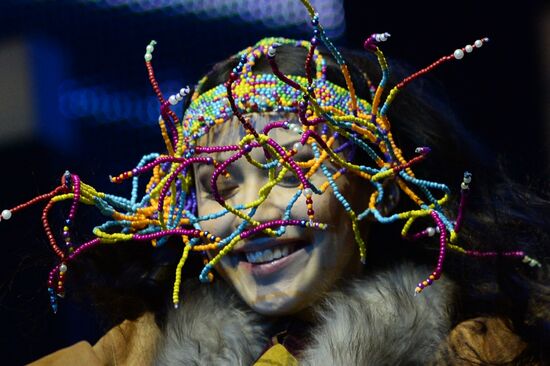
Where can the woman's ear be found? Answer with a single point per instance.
(391, 197)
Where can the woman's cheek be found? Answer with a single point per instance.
(221, 226)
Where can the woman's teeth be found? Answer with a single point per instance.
(268, 255)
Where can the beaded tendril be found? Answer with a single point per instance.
(327, 114)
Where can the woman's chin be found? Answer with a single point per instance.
(277, 306)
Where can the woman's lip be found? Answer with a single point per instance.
(269, 268)
(267, 243)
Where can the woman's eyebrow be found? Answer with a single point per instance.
(218, 156)
(304, 150)
(289, 144)
(203, 168)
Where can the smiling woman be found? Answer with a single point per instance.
(332, 245)
(284, 274)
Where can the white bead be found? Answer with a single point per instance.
(458, 54)
(526, 259)
(185, 91)
(297, 146)
(6, 214)
(271, 51)
(431, 231)
(173, 100)
(148, 57)
(464, 186)
(149, 48)
(179, 97)
(469, 48)
(381, 37)
(308, 192)
(467, 180)
(478, 43)
(63, 268)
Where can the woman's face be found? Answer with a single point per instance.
(278, 275)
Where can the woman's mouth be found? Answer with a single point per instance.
(273, 252)
(271, 259)
(268, 255)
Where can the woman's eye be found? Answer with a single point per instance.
(331, 168)
(227, 187)
(227, 191)
(289, 180)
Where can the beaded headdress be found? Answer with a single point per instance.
(326, 113)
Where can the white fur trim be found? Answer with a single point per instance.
(376, 320)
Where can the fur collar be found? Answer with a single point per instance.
(375, 320)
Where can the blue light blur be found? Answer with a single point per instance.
(102, 105)
(271, 14)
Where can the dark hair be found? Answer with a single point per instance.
(501, 215)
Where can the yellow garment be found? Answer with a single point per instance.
(80, 353)
(128, 344)
(277, 356)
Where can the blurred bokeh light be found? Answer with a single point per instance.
(272, 14)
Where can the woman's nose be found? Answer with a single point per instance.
(270, 207)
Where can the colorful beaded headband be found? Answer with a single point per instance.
(327, 114)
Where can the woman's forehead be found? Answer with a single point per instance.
(232, 131)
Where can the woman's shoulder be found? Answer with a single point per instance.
(132, 342)
(81, 353)
(482, 340)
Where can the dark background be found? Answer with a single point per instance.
(74, 95)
